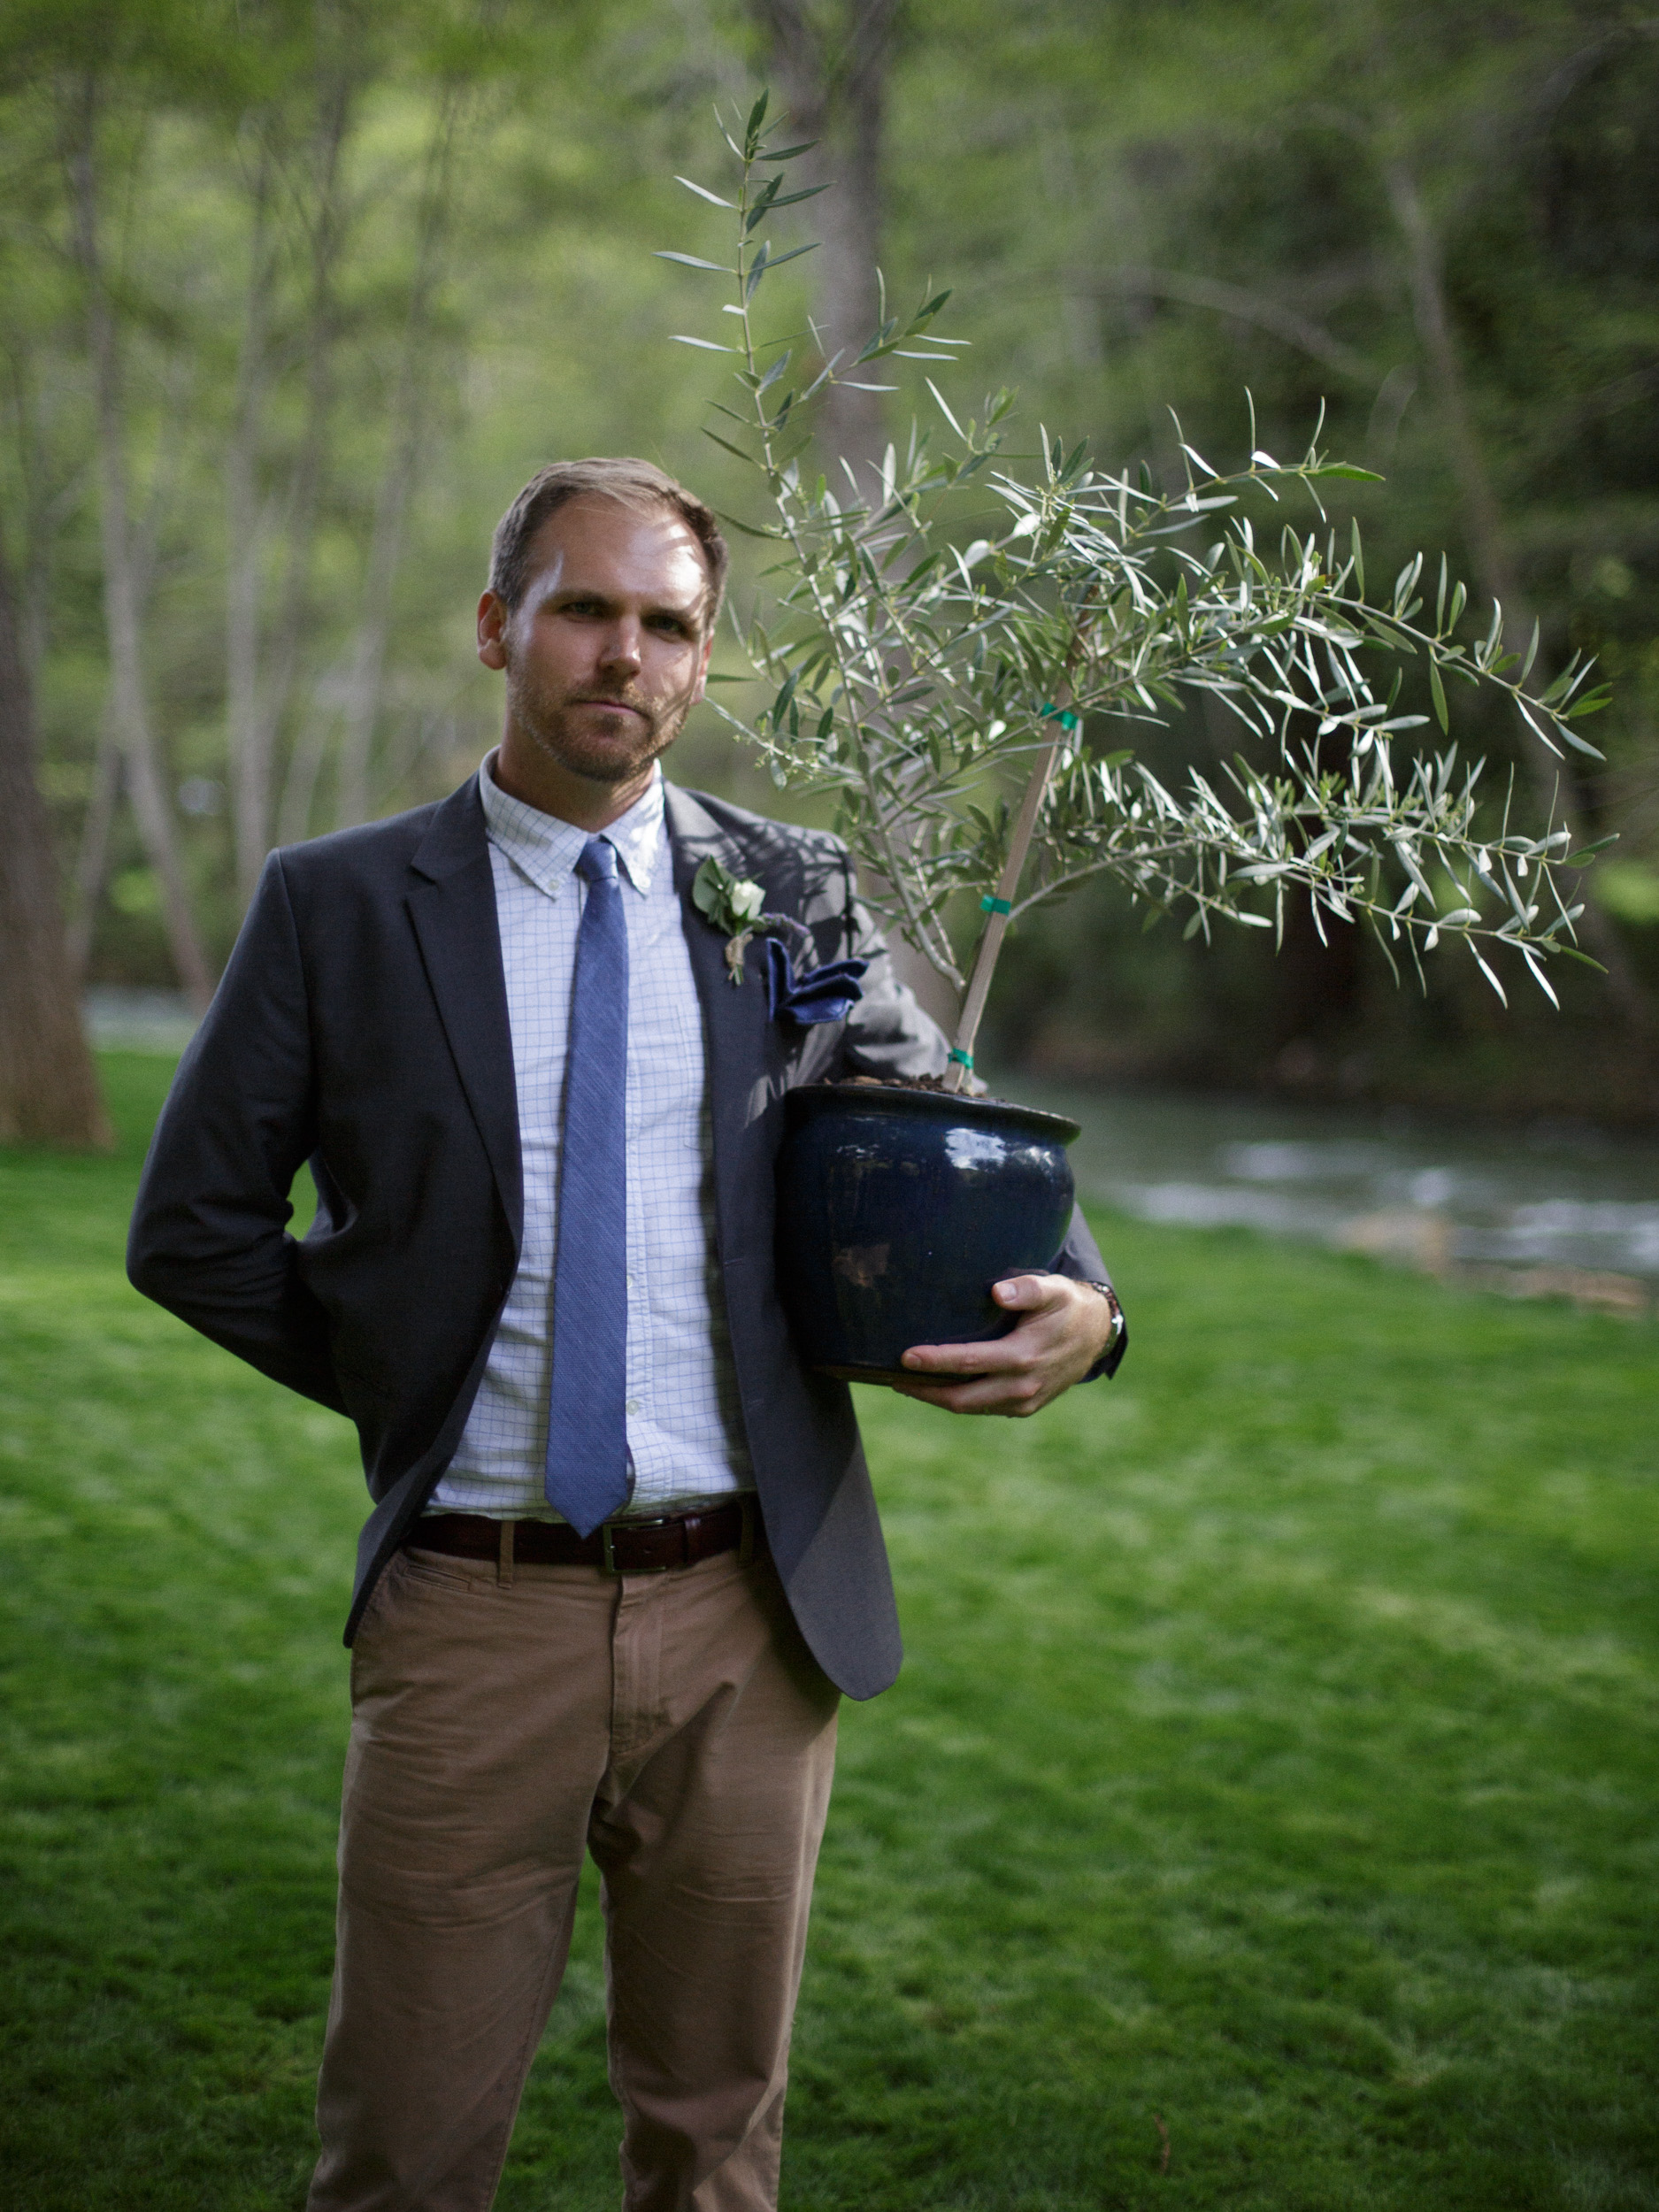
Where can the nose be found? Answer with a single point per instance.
(621, 650)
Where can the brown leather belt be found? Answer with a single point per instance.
(621, 1548)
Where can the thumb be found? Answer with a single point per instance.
(1019, 1290)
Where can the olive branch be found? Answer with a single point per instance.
(923, 680)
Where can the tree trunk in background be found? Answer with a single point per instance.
(1552, 778)
(49, 1094)
(145, 779)
(268, 690)
(361, 706)
(249, 729)
(92, 862)
(834, 81)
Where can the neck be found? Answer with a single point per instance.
(553, 790)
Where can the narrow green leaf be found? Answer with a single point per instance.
(789, 153)
(749, 529)
(726, 444)
(762, 207)
(713, 198)
(695, 261)
(679, 338)
(1345, 469)
(943, 409)
(1438, 690)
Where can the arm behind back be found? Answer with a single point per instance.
(208, 1237)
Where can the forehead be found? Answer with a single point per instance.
(629, 552)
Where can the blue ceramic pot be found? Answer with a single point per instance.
(898, 1209)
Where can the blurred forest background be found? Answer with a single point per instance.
(298, 292)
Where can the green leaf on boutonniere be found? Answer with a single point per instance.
(733, 903)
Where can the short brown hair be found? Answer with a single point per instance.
(631, 484)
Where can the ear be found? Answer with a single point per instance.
(492, 626)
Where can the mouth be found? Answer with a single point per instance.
(621, 706)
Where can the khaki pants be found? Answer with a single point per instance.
(504, 1721)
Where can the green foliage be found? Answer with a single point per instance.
(1274, 1755)
(911, 676)
(1141, 208)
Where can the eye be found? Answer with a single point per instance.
(671, 623)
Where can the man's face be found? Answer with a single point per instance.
(604, 654)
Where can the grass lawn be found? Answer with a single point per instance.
(1275, 1764)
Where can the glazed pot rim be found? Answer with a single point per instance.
(946, 1106)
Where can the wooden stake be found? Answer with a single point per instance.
(997, 922)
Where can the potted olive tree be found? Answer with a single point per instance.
(960, 655)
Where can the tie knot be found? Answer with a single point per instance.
(598, 861)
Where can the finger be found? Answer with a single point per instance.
(984, 1395)
(994, 1358)
(1040, 1336)
(1030, 1293)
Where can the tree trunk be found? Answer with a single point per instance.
(92, 862)
(248, 729)
(835, 86)
(49, 1094)
(145, 779)
(361, 706)
(271, 664)
(1551, 778)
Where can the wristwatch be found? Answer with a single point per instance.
(1112, 1300)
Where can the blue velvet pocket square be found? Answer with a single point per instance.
(822, 994)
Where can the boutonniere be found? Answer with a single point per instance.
(736, 905)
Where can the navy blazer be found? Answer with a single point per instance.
(361, 1026)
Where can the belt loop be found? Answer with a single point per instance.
(746, 1542)
(503, 1556)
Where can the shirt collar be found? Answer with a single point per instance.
(546, 849)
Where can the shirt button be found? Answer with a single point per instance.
(632, 1406)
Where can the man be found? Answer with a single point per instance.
(624, 1555)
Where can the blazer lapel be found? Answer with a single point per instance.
(452, 907)
(737, 1032)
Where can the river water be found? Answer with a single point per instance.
(1418, 1188)
(1424, 1190)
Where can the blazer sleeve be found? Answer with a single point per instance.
(208, 1237)
(888, 1034)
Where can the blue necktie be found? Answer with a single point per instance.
(586, 1437)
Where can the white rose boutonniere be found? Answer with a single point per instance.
(733, 903)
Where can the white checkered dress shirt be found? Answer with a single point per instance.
(684, 1425)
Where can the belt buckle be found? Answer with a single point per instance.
(607, 1553)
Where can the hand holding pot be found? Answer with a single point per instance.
(1064, 1327)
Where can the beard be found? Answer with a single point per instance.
(551, 720)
